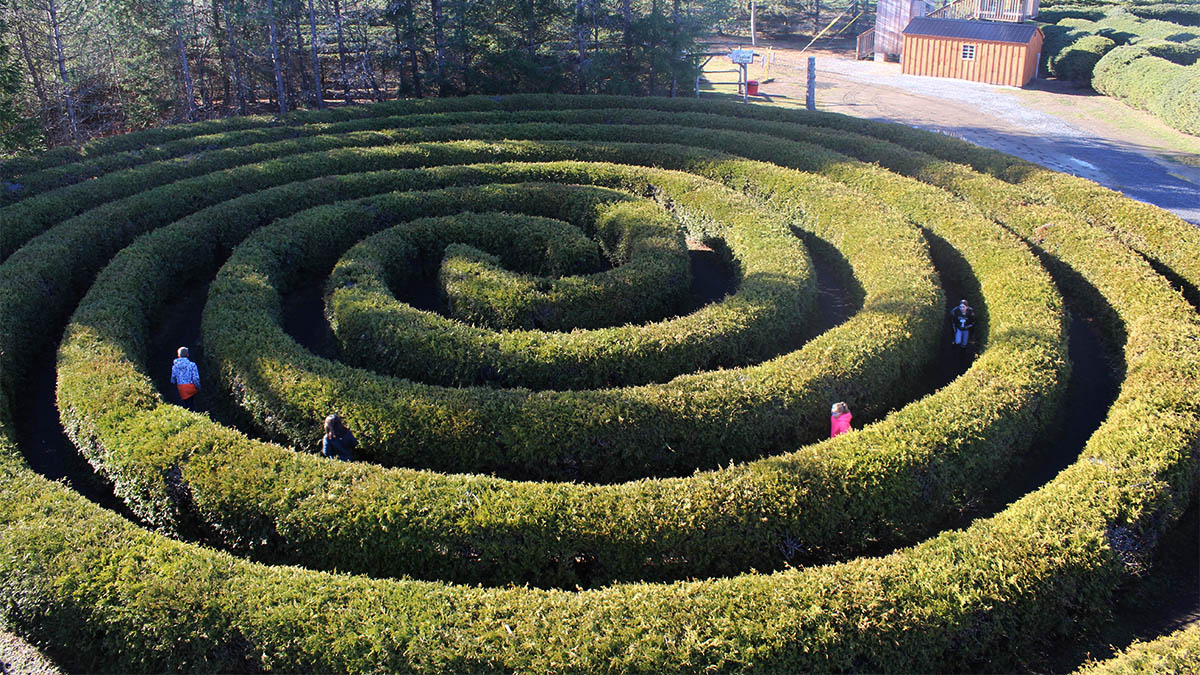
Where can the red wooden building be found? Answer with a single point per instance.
(981, 51)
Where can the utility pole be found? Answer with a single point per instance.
(753, 16)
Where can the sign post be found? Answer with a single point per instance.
(743, 58)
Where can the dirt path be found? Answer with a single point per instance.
(20, 658)
(1053, 124)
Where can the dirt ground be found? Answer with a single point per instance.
(1051, 123)
(19, 658)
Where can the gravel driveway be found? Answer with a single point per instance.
(995, 117)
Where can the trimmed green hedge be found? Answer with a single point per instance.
(1074, 47)
(651, 277)
(1056, 13)
(872, 614)
(1182, 13)
(285, 530)
(1180, 54)
(605, 435)
(1170, 92)
(1178, 652)
(379, 333)
(1076, 61)
(110, 596)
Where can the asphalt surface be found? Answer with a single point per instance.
(995, 117)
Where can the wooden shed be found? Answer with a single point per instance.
(980, 51)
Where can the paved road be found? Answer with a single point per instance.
(994, 117)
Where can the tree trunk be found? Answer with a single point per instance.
(188, 91)
(581, 45)
(462, 63)
(414, 64)
(369, 72)
(39, 86)
(239, 84)
(675, 47)
(60, 56)
(439, 46)
(531, 29)
(337, 22)
(403, 86)
(753, 27)
(275, 57)
(299, 53)
(316, 64)
(202, 69)
(227, 92)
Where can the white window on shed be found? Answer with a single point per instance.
(968, 52)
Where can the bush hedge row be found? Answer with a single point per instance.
(1178, 652)
(962, 466)
(983, 595)
(380, 333)
(1169, 91)
(1182, 13)
(951, 164)
(615, 512)
(640, 240)
(1077, 61)
(829, 128)
(604, 435)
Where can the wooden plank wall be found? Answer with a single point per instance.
(994, 62)
(891, 18)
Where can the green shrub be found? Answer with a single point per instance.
(1056, 13)
(1179, 54)
(654, 429)
(288, 530)
(1178, 652)
(1069, 46)
(105, 595)
(378, 332)
(1171, 92)
(1075, 63)
(651, 278)
(1182, 13)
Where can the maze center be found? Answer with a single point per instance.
(565, 472)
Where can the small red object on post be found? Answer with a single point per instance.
(752, 87)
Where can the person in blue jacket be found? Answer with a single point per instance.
(338, 442)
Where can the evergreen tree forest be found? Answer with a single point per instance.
(71, 70)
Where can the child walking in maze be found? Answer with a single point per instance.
(839, 419)
(338, 441)
(963, 318)
(186, 378)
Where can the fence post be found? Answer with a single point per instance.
(810, 100)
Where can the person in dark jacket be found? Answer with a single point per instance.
(338, 441)
(963, 318)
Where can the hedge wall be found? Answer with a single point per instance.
(1077, 61)
(1170, 92)
(708, 554)
(604, 435)
(380, 333)
(107, 595)
(1178, 652)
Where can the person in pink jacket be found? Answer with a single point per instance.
(839, 419)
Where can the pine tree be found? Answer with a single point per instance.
(18, 129)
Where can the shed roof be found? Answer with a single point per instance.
(966, 29)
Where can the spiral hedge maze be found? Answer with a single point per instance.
(568, 468)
